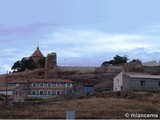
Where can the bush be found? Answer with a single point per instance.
(2, 96)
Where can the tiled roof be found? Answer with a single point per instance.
(37, 53)
(17, 81)
(50, 80)
(23, 81)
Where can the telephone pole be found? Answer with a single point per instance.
(6, 82)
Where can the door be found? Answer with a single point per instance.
(58, 92)
(41, 92)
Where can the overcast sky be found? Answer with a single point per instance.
(81, 32)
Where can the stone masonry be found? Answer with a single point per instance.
(51, 66)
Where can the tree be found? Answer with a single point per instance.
(41, 62)
(18, 66)
(25, 63)
(120, 60)
(105, 63)
(108, 63)
(116, 60)
(136, 61)
(28, 63)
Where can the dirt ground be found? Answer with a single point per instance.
(100, 106)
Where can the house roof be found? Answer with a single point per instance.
(21, 87)
(50, 80)
(39, 80)
(17, 81)
(37, 53)
(141, 75)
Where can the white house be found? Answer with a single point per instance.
(126, 81)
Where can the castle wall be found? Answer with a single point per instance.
(77, 69)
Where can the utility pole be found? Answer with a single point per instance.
(65, 60)
(6, 82)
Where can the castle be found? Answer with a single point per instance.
(50, 70)
(52, 80)
(41, 82)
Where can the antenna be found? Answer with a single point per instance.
(65, 60)
(37, 45)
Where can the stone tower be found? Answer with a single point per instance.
(51, 66)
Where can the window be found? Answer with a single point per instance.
(49, 84)
(41, 92)
(33, 92)
(121, 87)
(159, 83)
(68, 91)
(41, 84)
(34, 84)
(49, 92)
(117, 80)
(58, 84)
(16, 92)
(20, 93)
(68, 84)
(143, 83)
(58, 92)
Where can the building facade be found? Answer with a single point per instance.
(19, 94)
(136, 82)
(50, 87)
(38, 88)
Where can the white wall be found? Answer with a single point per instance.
(117, 82)
(8, 92)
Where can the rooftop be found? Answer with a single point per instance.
(141, 75)
(50, 80)
(39, 80)
(37, 53)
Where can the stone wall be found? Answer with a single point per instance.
(21, 77)
(77, 69)
(51, 66)
(2, 81)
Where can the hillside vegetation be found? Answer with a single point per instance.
(97, 106)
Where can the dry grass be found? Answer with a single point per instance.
(85, 108)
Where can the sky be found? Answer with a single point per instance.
(81, 32)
